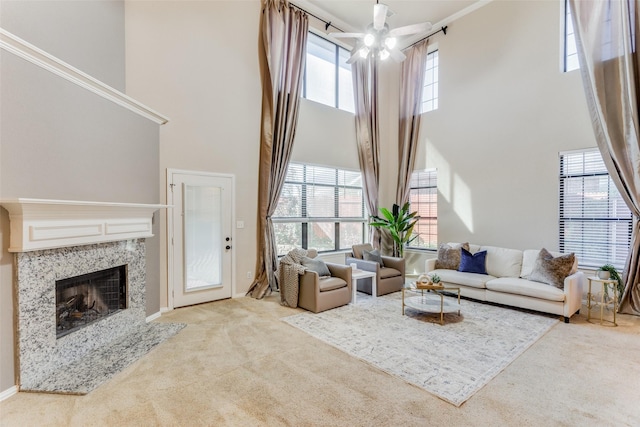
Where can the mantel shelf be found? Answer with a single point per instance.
(38, 224)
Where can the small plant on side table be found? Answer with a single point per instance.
(614, 275)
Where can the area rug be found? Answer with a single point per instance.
(102, 364)
(452, 361)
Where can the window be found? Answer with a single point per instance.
(423, 196)
(430, 89)
(570, 50)
(320, 208)
(327, 77)
(595, 222)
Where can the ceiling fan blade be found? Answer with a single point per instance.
(397, 55)
(355, 54)
(379, 15)
(411, 29)
(346, 35)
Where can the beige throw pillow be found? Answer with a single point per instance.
(449, 257)
(550, 270)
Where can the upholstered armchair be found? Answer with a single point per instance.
(389, 276)
(318, 294)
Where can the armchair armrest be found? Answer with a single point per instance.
(396, 263)
(309, 279)
(341, 271)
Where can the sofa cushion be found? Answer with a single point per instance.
(552, 270)
(449, 256)
(473, 263)
(331, 283)
(472, 280)
(386, 272)
(514, 285)
(529, 257)
(503, 262)
(373, 255)
(317, 265)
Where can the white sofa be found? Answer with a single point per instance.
(506, 282)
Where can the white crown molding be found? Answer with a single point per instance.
(37, 224)
(15, 45)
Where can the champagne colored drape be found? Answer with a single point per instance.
(411, 88)
(607, 37)
(365, 88)
(282, 48)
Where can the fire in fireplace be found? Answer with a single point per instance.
(81, 300)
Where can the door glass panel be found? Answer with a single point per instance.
(202, 237)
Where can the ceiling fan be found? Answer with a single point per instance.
(380, 41)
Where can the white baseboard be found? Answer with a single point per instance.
(164, 310)
(8, 393)
(153, 317)
(242, 295)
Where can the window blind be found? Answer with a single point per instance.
(595, 222)
(423, 196)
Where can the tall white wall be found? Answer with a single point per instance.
(505, 111)
(197, 62)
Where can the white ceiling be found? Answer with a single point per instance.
(355, 15)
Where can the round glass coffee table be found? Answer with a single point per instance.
(430, 299)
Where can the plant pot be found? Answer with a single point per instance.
(604, 275)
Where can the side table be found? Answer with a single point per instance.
(362, 274)
(592, 302)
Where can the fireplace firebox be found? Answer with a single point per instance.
(82, 300)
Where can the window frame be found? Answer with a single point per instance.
(336, 63)
(432, 179)
(435, 100)
(566, 39)
(590, 238)
(306, 221)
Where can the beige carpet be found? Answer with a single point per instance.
(237, 364)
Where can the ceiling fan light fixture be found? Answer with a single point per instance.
(384, 54)
(390, 42)
(369, 40)
(363, 52)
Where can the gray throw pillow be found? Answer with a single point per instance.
(449, 257)
(373, 255)
(550, 270)
(317, 265)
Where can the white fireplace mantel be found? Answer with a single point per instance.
(45, 224)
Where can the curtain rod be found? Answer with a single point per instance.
(327, 24)
(443, 30)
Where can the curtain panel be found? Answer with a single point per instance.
(282, 49)
(607, 40)
(365, 88)
(411, 88)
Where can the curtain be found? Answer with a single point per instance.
(282, 48)
(365, 88)
(606, 35)
(411, 88)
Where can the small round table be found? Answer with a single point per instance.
(602, 303)
(431, 302)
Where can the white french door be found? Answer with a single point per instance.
(200, 237)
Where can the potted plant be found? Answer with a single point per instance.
(610, 271)
(399, 223)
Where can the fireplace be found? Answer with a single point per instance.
(82, 300)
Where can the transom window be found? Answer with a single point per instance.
(327, 77)
(570, 50)
(320, 208)
(595, 222)
(430, 89)
(423, 196)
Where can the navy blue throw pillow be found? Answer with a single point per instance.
(473, 263)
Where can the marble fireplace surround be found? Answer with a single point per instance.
(55, 240)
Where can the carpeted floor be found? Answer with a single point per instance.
(237, 364)
(452, 361)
